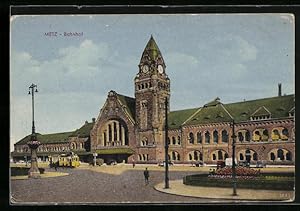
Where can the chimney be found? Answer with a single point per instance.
(279, 90)
(93, 119)
(86, 122)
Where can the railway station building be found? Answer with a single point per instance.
(132, 129)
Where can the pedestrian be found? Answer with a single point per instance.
(55, 166)
(133, 163)
(146, 175)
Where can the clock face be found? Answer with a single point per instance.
(160, 69)
(145, 68)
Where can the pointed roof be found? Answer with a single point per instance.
(151, 50)
(261, 111)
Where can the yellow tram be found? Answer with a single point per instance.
(64, 160)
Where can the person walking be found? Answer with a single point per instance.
(146, 175)
(133, 163)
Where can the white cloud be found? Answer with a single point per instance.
(181, 61)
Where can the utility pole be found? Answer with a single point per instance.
(166, 146)
(233, 160)
(33, 143)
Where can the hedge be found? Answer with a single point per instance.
(20, 171)
(262, 182)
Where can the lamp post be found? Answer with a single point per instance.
(233, 159)
(33, 143)
(166, 146)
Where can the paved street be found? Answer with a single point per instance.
(86, 186)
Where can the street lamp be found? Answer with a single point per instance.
(233, 159)
(33, 143)
(166, 146)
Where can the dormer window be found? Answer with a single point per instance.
(262, 113)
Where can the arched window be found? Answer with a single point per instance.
(104, 134)
(265, 135)
(178, 156)
(285, 134)
(272, 156)
(247, 136)
(173, 155)
(195, 155)
(199, 138)
(144, 157)
(241, 156)
(240, 136)
(190, 157)
(275, 134)
(288, 156)
(226, 155)
(207, 137)
(178, 140)
(254, 156)
(109, 133)
(216, 136)
(140, 157)
(280, 154)
(214, 157)
(191, 138)
(220, 155)
(224, 136)
(115, 131)
(169, 141)
(173, 140)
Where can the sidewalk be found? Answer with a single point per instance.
(178, 188)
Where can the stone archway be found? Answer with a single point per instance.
(114, 132)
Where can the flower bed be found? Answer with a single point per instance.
(241, 173)
(286, 181)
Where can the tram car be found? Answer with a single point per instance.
(64, 160)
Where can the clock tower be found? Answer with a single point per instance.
(152, 87)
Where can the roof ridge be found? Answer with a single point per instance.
(188, 119)
(226, 111)
(125, 96)
(266, 98)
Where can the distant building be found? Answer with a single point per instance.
(132, 129)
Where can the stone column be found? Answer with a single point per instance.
(123, 135)
(107, 134)
(103, 137)
(118, 135)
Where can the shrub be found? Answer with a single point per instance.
(247, 182)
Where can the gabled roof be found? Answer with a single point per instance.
(176, 118)
(277, 106)
(129, 104)
(48, 138)
(215, 111)
(262, 111)
(210, 113)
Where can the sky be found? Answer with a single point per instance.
(234, 57)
